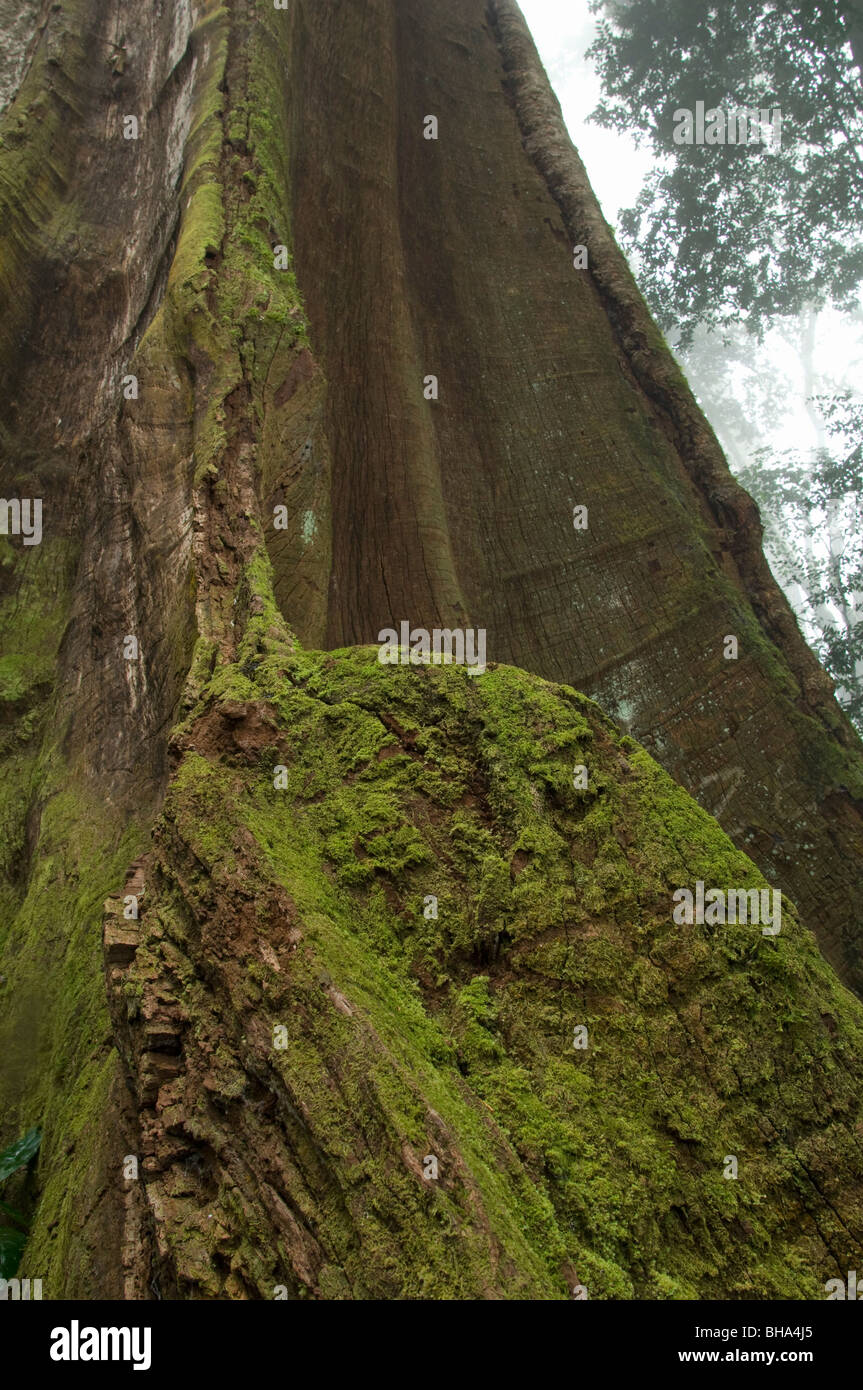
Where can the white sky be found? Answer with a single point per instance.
(563, 30)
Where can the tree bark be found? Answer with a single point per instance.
(187, 1153)
(556, 390)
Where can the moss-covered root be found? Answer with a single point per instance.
(409, 1015)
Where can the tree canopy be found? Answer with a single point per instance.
(731, 231)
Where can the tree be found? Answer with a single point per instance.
(809, 500)
(815, 539)
(208, 771)
(727, 232)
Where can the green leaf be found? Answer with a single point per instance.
(16, 1215)
(19, 1153)
(11, 1245)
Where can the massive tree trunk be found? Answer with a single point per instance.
(288, 817)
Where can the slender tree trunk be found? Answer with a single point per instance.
(809, 327)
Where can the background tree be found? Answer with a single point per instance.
(740, 250)
(813, 509)
(730, 231)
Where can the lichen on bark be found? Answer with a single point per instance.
(319, 800)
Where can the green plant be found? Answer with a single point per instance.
(12, 1241)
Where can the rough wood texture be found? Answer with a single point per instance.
(455, 258)
(259, 387)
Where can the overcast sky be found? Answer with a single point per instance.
(563, 30)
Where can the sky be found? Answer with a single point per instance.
(563, 30)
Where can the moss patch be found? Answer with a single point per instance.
(473, 908)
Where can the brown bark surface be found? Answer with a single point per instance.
(454, 258)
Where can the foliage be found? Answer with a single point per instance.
(724, 231)
(814, 536)
(12, 1241)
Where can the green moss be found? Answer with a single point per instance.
(554, 910)
(411, 1032)
(59, 1066)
